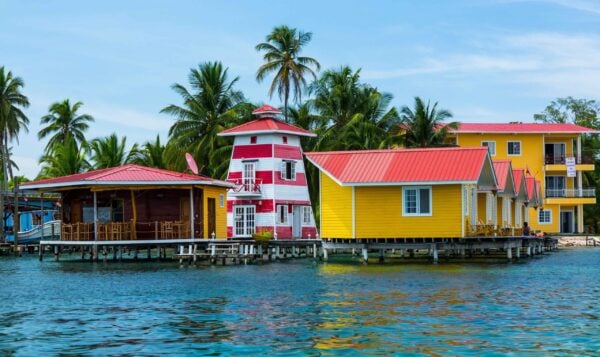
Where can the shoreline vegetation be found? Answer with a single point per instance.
(343, 110)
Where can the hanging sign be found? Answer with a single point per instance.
(571, 171)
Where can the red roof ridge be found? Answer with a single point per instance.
(399, 150)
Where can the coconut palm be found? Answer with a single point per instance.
(110, 152)
(282, 57)
(63, 121)
(12, 121)
(67, 158)
(424, 125)
(152, 154)
(209, 106)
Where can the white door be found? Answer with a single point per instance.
(297, 221)
(248, 176)
(244, 221)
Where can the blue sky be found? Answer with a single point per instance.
(486, 61)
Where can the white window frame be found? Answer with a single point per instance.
(417, 188)
(540, 212)
(284, 172)
(508, 146)
(221, 200)
(306, 215)
(286, 220)
(493, 146)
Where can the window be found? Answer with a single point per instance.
(253, 140)
(248, 176)
(221, 200)
(514, 148)
(284, 139)
(544, 216)
(282, 214)
(288, 170)
(417, 201)
(306, 215)
(491, 145)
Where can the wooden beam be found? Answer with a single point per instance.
(134, 220)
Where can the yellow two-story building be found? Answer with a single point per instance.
(551, 154)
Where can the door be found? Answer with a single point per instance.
(296, 221)
(244, 221)
(566, 222)
(248, 177)
(555, 153)
(555, 186)
(75, 212)
(184, 217)
(212, 217)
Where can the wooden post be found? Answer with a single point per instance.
(435, 253)
(16, 220)
(41, 252)
(192, 233)
(134, 216)
(509, 251)
(518, 250)
(365, 255)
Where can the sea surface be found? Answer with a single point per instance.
(546, 305)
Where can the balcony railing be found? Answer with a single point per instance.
(561, 159)
(246, 187)
(569, 193)
(124, 231)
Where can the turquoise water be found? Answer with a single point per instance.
(548, 304)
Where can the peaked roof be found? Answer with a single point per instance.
(266, 109)
(531, 189)
(130, 174)
(504, 175)
(520, 185)
(265, 124)
(405, 166)
(531, 128)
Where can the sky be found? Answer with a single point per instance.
(485, 60)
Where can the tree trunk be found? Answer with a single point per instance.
(285, 102)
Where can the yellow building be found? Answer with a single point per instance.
(551, 154)
(413, 193)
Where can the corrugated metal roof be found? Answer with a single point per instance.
(521, 128)
(531, 189)
(518, 175)
(266, 125)
(501, 167)
(265, 109)
(126, 174)
(402, 166)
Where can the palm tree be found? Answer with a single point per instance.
(110, 152)
(12, 121)
(282, 57)
(424, 126)
(152, 154)
(63, 122)
(67, 158)
(210, 106)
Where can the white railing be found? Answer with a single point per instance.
(246, 186)
(569, 192)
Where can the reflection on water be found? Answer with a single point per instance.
(547, 304)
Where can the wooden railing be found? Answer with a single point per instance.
(490, 230)
(110, 231)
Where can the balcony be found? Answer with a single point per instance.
(584, 159)
(246, 187)
(570, 196)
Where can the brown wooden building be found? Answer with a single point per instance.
(134, 202)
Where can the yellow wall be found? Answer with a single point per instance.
(481, 207)
(220, 212)
(379, 213)
(336, 209)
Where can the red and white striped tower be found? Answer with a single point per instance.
(270, 191)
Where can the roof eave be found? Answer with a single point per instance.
(252, 132)
(124, 183)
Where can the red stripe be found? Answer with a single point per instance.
(288, 152)
(282, 232)
(266, 177)
(264, 206)
(252, 151)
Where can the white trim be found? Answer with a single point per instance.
(572, 211)
(520, 147)
(126, 183)
(286, 215)
(462, 208)
(418, 197)
(545, 210)
(489, 141)
(353, 212)
(252, 132)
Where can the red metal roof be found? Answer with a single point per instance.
(531, 189)
(402, 166)
(518, 176)
(266, 109)
(266, 125)
(502, 168)
(532, 128)
(124, 175)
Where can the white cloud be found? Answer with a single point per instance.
(108, 115)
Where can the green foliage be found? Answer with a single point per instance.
(17, 180)
(110, 152)
(65, 159)
(582, 112)
(63, 122)
(282, 57)
(210, 106)
(152, 154)
(425, 125)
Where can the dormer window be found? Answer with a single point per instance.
(253, 140)
(284, 139)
